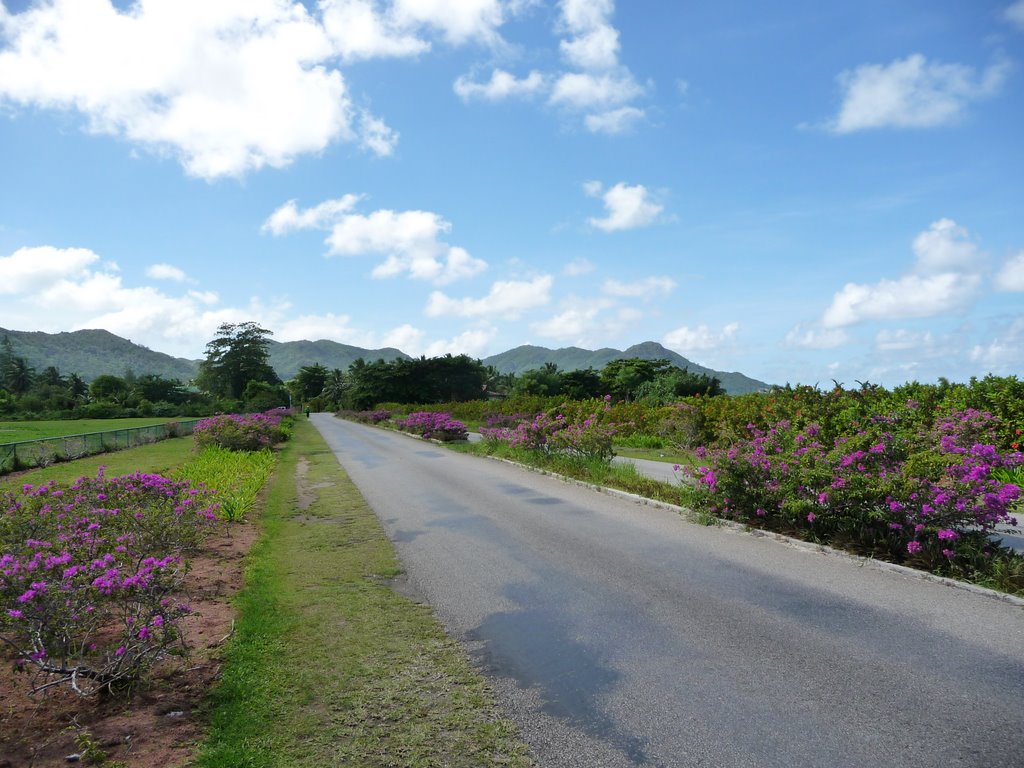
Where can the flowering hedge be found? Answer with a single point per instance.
(89, 574)
(585, 433)
(435, 426)
(930, 497)
(237, 432)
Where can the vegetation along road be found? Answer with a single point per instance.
(617, 634)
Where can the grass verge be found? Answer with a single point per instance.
(331, 666)
(17, 431)
(158, 457)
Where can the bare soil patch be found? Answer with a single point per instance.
(158, 725)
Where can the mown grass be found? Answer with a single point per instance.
(329, 665)
(161, 458)
(18, 431)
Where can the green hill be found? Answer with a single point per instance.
(288, 356)
(95, 352)
(572, 358)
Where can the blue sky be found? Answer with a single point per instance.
(800, 191)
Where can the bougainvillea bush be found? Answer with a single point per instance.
(930, 498)
(435, 426)
(582, 431)
(242, 432)
(89, 575)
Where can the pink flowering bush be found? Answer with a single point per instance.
(238, 432)
(931, 497)
(435, 426)
(89, 574)
(584, 434)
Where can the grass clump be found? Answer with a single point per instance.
(237, 476)
(329, 665)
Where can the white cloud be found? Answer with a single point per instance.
(586, 90)
(31, 269)
(410, 240)
(1004, 354)
(359, 30)
(506, 299)
(945, 278)
(407, 338)
(502, 85)
(817, 338)
(578, 267)
(376, 136)
(474, 343)
(597, 48)
(1011, 276)
(573, 323)
(901, 339)
(628, 207)
(908, 296)
(645, 288)
(227, 87)
(166, 272)
(699, 339)
(1015, 14)
(614, 121)
(945, 247)
(912, 93)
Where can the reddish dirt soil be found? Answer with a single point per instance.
(158, 725)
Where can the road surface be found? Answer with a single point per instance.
(617, 634)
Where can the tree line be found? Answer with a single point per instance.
(236, 375)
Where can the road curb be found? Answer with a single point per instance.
(822, 549)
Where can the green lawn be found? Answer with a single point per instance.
(18, 431)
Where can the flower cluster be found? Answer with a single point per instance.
(578, 436)
(89, 574)
(886, 491)
(237, 432)
(435, 426)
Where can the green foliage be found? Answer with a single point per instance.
(235, 357)
(235, 476)
(425, 380)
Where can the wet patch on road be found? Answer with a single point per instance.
(533, 648)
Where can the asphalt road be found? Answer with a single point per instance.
(616, 634)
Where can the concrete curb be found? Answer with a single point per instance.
(688, 516)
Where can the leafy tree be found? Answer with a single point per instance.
(77, 387)
(109, 388)
(544, 381)
(156, 389)
(309, 382)
(676, 384)
(581, 384)
(18, 375)
(262, 396)
(336, 389)
(51, 376)
(237, 356)
(622, 378)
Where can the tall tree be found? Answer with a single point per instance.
(238, 355)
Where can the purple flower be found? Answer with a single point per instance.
(913, 547)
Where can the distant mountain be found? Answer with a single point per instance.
(286, 357)
(92, 353)
(572, 358)
(95, 352)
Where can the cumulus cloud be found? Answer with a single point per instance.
(1011, 276)
(912, 93)
(573, 323)
(502, 85)
(944, 279)
(614, 121)
(166, 272)
(474, 343)
(644, 288)
(32, 269)
(593, 85)
(628, 207)
(227, 87)
(507, 299)
(409, 240)
(699, 339)
(359, 30)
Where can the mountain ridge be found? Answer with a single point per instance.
(93, 352)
